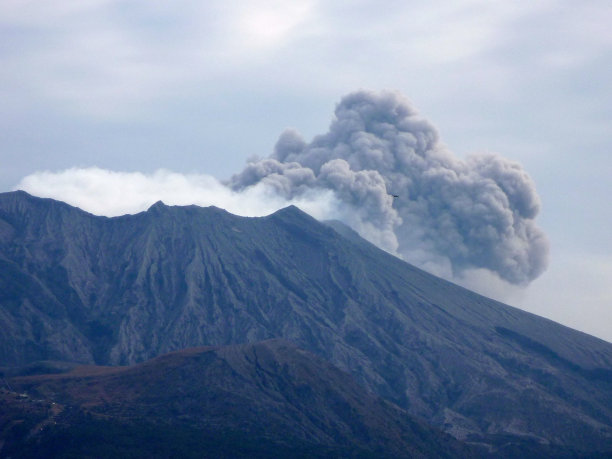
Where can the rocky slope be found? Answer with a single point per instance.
(275, 398)
(121, 290)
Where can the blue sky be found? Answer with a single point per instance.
(197, 88)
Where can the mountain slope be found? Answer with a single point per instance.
(269, 392)
(122, 290)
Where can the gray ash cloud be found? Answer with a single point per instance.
(457, 214)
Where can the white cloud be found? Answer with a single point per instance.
(107, 58)
(271, 23)
(112, 193)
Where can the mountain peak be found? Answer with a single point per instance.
(293, 212)
(159, 205)
(19, 193)
(22, 202)
(18, 196)
(289, 210)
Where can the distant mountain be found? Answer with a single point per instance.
(77, 287)
(268, 399)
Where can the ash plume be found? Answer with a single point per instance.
(451, 215)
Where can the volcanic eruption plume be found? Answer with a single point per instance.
(461, 214)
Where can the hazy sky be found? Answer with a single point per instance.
(167, 98)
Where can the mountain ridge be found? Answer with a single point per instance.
(269, 392)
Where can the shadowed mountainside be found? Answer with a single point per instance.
(90, 289)
(271, 398)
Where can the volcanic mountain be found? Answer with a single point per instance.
(116, 291)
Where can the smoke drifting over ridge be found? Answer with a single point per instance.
(471, 221)
(451, 215)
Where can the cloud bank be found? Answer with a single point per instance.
(112, 193)
(451, 216)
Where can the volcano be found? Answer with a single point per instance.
(120, 291)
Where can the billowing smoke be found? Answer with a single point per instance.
(450, 215)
